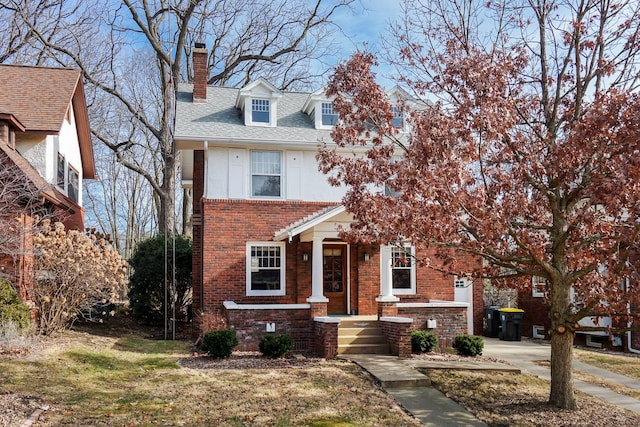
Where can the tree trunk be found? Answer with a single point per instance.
(562, 393)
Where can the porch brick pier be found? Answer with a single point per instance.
(318, 309)
(387, 309)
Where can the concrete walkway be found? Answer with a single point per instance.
(401, 379)
(413, 391)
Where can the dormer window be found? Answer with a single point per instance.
(260, 110)
(320, 109)
(398, 118)
(258, 102)
(329, 117)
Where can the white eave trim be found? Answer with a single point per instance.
(290, 233)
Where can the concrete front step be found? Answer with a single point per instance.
(361, 339)
(361, 336)
(363, 348)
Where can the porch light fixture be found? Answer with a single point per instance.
(305, 257)
(366, 256)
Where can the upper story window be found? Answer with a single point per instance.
(265, 268)
(403, 269)
(60, 171)
(398, 118)
(329, 117)
(72, 185)
(266, 173)
(260, 110)
(258, 102)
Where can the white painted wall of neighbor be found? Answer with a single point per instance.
(228, 175)
(42, 152)
(70, 149)
(34, 149)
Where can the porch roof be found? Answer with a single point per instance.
(309, 222)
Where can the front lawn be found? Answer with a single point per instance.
(91, 378)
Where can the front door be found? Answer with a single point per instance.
(334, 268)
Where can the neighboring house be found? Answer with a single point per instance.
(44, 136)
(266, 248)
(536, 322)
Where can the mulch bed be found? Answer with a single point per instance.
(249, 360)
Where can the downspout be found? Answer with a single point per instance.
(629, 344)
(202, 217)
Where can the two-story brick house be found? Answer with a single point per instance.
(267, 252)
(44, 137)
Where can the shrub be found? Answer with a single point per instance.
(146, 285)
(219, 344)
(423, 341)
(276, 345)
(468, 345)
(74, 273)
(13, 311)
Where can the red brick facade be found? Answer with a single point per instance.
(450, 321)
(251, 325)
(536, 312)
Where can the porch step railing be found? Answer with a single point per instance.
(357, 336)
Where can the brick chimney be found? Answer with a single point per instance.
(200, 57)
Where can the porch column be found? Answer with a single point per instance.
(316, 273)
(386, 276)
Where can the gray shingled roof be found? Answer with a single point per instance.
(218, 118)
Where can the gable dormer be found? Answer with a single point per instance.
(320, 109)
(258, 102)
(401, 103)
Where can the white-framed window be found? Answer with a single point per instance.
(265, 268)
(595, 340)
(266, 174)
(73, 184)
(398, 117)
(329, 117)
(260, 110)
(60, 173)
(538, 286)
(403, 269)
(538, 331)
(388, 189)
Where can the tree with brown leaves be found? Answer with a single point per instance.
(529, 156)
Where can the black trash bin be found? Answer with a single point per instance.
(511, 324)
(492, 321)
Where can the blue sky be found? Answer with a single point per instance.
(367, 28)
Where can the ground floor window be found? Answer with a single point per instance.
(538, 331)
(403, 269)
(265, 268)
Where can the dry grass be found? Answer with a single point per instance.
(123, 379)
(628, 365)
(521, 400)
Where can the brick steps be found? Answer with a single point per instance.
(358, 336)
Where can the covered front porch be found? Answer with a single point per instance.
(346, 279)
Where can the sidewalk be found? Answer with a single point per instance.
(413, 391)
(410, 388)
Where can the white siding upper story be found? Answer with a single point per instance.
(260, 142)
(44, 151)
(229, 176)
